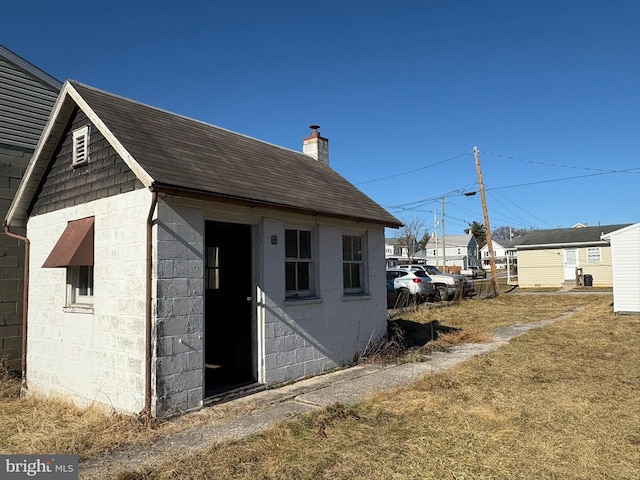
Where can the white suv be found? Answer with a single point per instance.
(446, 285)
(416, 283)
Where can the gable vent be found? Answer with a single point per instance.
(80, 146)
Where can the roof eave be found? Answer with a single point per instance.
(41, 75)
(68, 99)
(560, 245)
(173, 191)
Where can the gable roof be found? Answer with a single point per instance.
(566, 237)
(452, 240)
(27, 96)
(607, 237)
(181, 156)
(504, 244)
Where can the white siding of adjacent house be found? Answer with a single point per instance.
(91, 357)
(625, 247)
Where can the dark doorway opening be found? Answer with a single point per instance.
(229, 339)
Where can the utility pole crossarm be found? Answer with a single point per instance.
(487, 227)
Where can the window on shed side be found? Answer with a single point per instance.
(80, 285)
(80, 154)
(298, 263)
(353, 263)
(74, 251)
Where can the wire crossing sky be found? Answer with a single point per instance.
(549, 91)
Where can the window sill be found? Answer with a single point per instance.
(302, 301)
(86, 309)
(350, 297)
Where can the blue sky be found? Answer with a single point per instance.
(549, 91)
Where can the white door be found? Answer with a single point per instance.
(570, 263)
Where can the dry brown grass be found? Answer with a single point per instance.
(29, 425)
(33, 425)
(561, 402)
(509, 309)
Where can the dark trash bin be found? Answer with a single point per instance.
(588, 280)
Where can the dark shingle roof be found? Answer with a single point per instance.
(566, 236)
(193, 156)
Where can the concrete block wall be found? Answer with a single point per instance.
(178, 376)
(296, 338)
(13, 163)
(95, 356)
(306, 337)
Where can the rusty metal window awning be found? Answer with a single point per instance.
(75, 245)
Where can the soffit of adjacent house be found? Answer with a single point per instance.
(27, 95)
(189, 155)
(566, 236)
(75, 245)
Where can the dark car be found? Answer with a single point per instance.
(392, 293)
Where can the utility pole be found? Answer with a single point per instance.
(444, 248)
(435, 234)
(487, 227)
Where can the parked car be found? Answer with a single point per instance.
(446, 285)
(474, 272)
(413, 285)
(392, 293)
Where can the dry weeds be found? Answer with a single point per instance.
(558, 402)
(33, 425)
(561, 402)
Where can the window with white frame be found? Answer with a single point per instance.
(298, 263)
(594, 255)
(80, 285)
(353, 263)
(80, 153)
(74, 252)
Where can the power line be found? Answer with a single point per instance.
(494, 196)
(412, 171)
(629, 170)
(560, 165)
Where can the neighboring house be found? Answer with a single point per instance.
(625, 263)
(504, 252)
(174, 262)
(26, 97)
(461, 251)
(550, 258)
(395, 253)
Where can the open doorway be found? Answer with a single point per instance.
(229, 356)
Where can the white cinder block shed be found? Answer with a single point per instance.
(172, 262)
(625, 263)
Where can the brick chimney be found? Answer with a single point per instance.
(316, 146)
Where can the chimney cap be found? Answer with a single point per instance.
(314, 128)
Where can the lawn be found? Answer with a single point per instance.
(561, 402)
